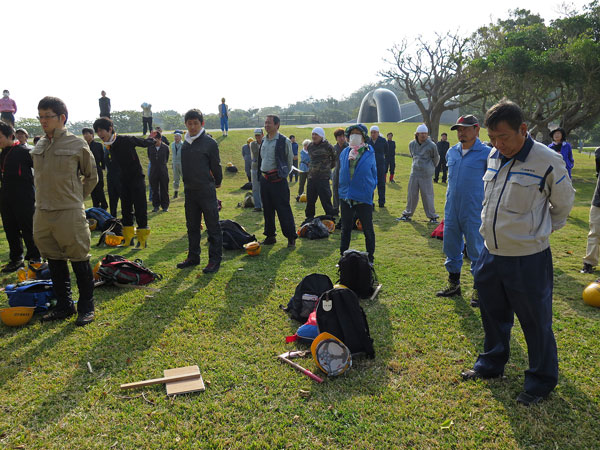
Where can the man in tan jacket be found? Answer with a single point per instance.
(64, 175)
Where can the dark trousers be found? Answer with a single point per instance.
(114, 192)
(381, 184)
(303, 177)
(294, 173)
(159, 183)
(17, 220)
(390, 165)
(61, 282)
(335, 189)
(364, 212)
(318, 188)
(8, 118)
(133, 202)
(98, 198)
(276, 199)
(597, 166)
(147, 123)
(196, 206)
(521, 285)
(443, 168)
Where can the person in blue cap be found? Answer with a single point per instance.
(358, 179)
(467, 163)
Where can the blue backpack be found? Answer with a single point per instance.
(100, 215)
(38, 293)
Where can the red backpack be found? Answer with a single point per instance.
(439, 231)
(115, 269)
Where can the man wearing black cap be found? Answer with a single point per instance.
(467, 163)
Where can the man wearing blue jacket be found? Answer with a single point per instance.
(358, 178)
(467, 163)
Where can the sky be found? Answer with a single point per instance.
(180, 54)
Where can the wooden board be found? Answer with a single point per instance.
(377, 289)
(184, 386)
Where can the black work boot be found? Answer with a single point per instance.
(453, 286)
(61, 284)
(85, 283)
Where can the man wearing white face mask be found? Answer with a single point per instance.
(358, 179)
(425, 159)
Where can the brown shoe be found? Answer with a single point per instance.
(84, 319)
(58, 314)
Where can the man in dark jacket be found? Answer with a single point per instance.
(380, 146)
(113, 182)
(322, 160)
(104, 103)
(17, 198)
(442, 146)
(202, 175)
(390, 157)
(158, 155)
(98, 198)
(133, 188)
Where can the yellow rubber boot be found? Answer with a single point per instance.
(128, 235)
(142, 236)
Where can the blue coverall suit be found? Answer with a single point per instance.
(464, 197)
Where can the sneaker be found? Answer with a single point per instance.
(175, 194)
(452, 290)
(475, 298)
(211, 267)
(84, 319)
(165, 209)
(292, 242)
(433, 222)
(527, 399)
(155, 210)
(257, 210)
(188, 263)
(404, 218)
(269, 240)
(392, 181)
(13, 266)
(58, 314)
(587, 268)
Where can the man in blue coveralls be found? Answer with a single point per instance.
(528, 195)
(467, 163)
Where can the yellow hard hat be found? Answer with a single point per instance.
(17, 315)
(249, 140)
(303, 198)
(229, 164)
(95, 270)
(340, 286)
(358, 225)
(93, 223)
(252, 248)
(330, 354)
(591, 294)
(113, 240)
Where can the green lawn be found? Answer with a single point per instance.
(409, 396)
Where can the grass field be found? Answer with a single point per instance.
(409, 396)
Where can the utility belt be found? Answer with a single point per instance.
(272, 176)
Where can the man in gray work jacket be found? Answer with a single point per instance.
(275, 163)
(528, 195)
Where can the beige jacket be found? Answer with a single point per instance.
(64, 172)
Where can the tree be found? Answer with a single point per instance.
(433, 75)
(552, 72)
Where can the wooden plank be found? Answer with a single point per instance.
(377, 289)
(184, 386)
(174, 378)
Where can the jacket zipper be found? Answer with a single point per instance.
(498, 203)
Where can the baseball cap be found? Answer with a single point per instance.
(258, 131)
(466, 121)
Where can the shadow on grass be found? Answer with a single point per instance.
(557, 420)
(563, 286)
(132, 336)
(255, 271)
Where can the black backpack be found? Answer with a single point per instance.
(313, 229)
(307, 295)
(339, 313)
(357, 273)
(234, 235)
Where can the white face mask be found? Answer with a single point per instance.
(356, 140)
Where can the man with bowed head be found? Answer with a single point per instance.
(467, 163)
(358, 178)
(527, 196)
(425, 158)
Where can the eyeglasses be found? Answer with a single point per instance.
(46, 117)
